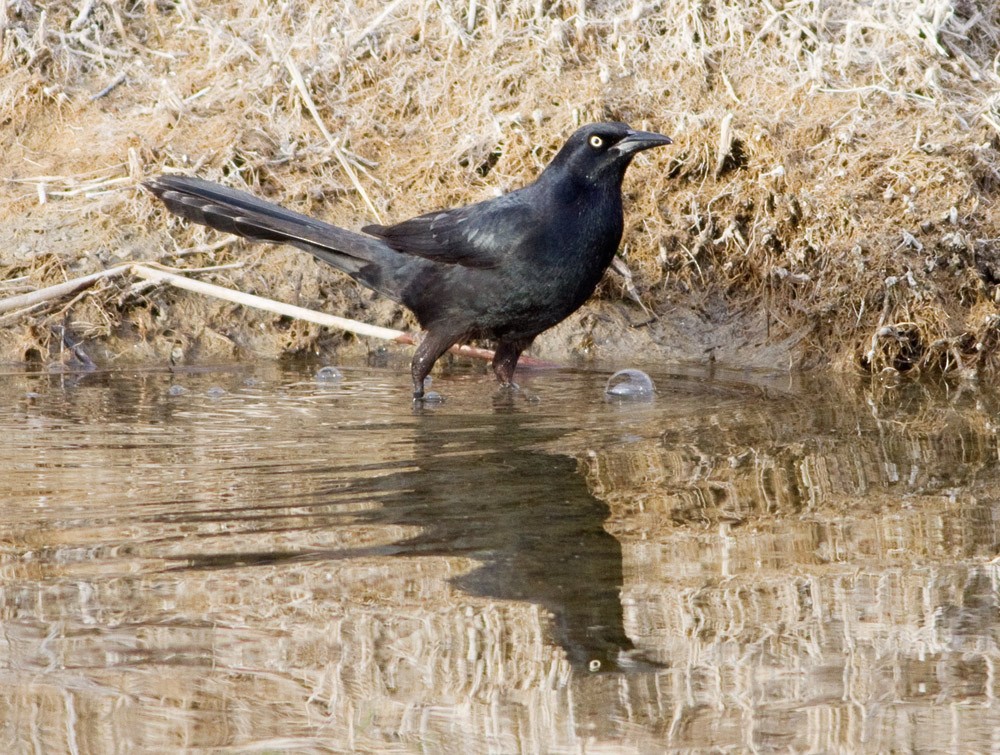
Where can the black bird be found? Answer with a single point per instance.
(504, 269)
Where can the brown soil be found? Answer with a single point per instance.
(829, 198)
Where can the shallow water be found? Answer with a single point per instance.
(256, 559)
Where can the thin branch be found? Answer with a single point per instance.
(59, 290)
(373, 26)
(160, 274)
(300, 84)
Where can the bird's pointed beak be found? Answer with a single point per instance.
(637, 141)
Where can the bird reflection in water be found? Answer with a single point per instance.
(481, 488)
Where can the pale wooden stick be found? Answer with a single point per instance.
(59, 290)
(158, 274)
(259, 302)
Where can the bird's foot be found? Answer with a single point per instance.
(423, 396)
(428, 397)
(510, 393)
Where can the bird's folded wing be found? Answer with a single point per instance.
(478, 235)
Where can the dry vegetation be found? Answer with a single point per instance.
(829, 198)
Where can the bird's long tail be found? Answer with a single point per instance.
(364, 258)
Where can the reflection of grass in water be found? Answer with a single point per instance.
(802, 551)
(797, 580)
(907, 440)
(834, 164)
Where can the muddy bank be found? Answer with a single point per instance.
(829, 199)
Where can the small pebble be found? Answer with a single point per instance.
(215, 391)
(629, 384)
(176, 390)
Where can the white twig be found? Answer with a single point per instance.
(370, 29)
(725, 143)
(300, 84)
(158, 275)
(59, 290)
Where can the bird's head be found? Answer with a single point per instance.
(602, 151)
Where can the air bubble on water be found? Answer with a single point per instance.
(215, 392)
(328, 374)
(176, 390)
(630, 384)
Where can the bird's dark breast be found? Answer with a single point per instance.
(528, 293)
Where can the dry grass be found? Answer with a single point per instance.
(834, 167)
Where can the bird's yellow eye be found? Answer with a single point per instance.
(596, 142)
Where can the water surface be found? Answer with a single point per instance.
(257, 559)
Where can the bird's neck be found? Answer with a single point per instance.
(566, 188)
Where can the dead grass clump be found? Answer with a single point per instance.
(835, 163)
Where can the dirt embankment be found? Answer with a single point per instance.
(829, 198)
